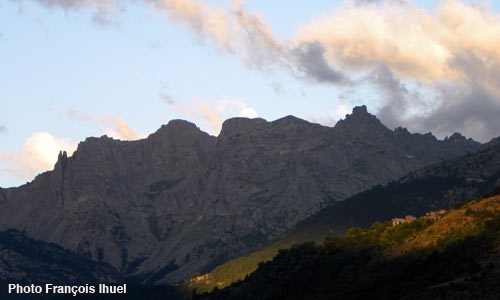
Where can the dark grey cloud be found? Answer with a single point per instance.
(471, 106)
(311, 61)
(393, 94)
(468, 107)
(472, 110)
(478, 71)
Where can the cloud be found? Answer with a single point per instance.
(393, 93)
(248, 112)
(311, 61)
(260, 45)
(104, 10)
(204, 20)
(3, 129)
(166, 98)
(391, 45)
(39, 154)
(472, 110)
(117, 127)
(235, 30)
(113, 126)
(359, 39)
(208, 114)
(338, 112)
(413, 42)
(469, 108)
(199, 110)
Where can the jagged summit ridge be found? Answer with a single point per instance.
(184, 198)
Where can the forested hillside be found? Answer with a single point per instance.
(455, 257)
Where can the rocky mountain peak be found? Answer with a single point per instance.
(360, 114)
(456, 138)
(236, 126)
(62, 160)
(459, 139)
(494, 141)
(360, 120)
(177, 126)
(290, 120)
(360, 110)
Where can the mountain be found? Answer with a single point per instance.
(440, 186)
(23, 259)
(26, 261)
(455, 257)
(182, 201)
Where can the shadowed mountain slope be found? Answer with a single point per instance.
(182, 201)
(432, 188)
(24, 260)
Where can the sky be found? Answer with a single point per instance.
(70, 69)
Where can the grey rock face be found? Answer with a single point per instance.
(182, 201)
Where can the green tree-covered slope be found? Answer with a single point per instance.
(455, 257)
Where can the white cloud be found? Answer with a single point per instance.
(330, 119)
(248, 112)
(340, 111)
(39, 154)
(319, 119)
(204, 20)
(412, 41)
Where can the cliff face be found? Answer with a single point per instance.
(181, 201)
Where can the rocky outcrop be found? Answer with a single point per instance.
(182, 201)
